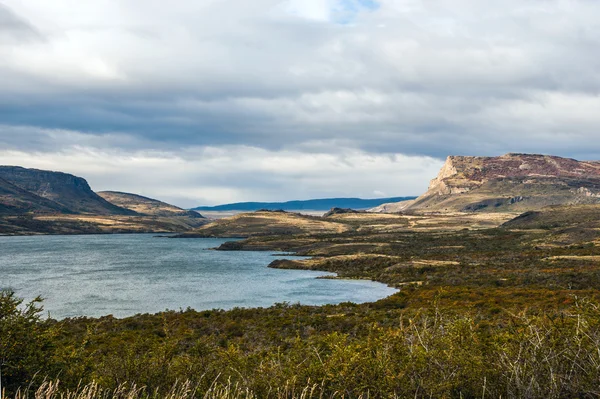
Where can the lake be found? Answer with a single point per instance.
(126, 274)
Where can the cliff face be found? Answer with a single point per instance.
(511, 182)
(463, 174)
(454, 177)
(47, 191)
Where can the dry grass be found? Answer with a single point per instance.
(142, 205)
(428, 355)
(269, 223)
(458, 220)
(367, 217)
(594, 258)
(130, 224)
(184, 390)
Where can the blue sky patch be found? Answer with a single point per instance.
(349, 9)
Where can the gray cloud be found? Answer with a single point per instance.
(13, 28)
(211, 175)
(308, 76)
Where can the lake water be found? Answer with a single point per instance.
(96, 275)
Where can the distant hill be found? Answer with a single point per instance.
(309, 205)
(40, 191)
(267, 223)
(512, 182)
(567, 224)
(558, 216)
(145, 205)
(43, 202)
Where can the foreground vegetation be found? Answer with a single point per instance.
(509, 312)
(294, 351)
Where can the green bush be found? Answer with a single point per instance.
(26, 342)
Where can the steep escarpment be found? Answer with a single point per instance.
(72, 194)
(512, 182)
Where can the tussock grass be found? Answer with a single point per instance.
(184, 390)
(433, 354)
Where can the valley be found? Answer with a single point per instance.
(44, 202)
(495, 269)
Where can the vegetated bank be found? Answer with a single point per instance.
(509, 311)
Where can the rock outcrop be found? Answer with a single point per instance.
(340, 211)
(512, 182)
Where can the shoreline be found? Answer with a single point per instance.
(369, 294)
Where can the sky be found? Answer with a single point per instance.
(202, 102)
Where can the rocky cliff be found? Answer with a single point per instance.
(511, 182)
(41, 191)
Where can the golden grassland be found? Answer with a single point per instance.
(95, 224)
(128, 223)
(269, 223)
(144, 205)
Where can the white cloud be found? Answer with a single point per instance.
(294, 81)
(318, 10)
(209, 175)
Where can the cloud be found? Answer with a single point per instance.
(424, 79)
(213, 175)
(13, 28)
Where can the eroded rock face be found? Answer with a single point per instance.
(587, 192)
(462, 174)
(511, 180)
(454, 177)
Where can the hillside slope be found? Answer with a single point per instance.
(72, 194)
(145, 205)
(267, 223)
(512, 182)
(557, 216)
(16, 201)
(566, 224)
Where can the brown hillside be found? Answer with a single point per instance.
(16, 201)
(145, 205)
(512, 182)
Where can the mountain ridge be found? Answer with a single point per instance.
(34, 201)
(321, 204)
(145, 205)
(43, 188)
